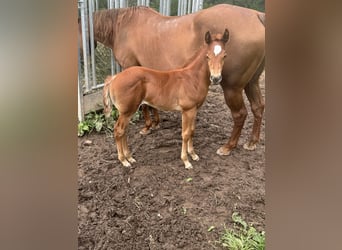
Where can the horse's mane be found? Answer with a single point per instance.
(106, 22)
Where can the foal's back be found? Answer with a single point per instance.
(160, 89)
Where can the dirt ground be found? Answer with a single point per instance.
(154, 205)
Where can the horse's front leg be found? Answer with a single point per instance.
(235, 102)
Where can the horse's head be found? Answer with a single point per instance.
(216, 54)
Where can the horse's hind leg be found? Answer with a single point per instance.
(235, 102)
(148, 123)
(119, 135)
(155, 123)
(254, 96)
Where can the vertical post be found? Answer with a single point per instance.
(161, 6)
(92, 42)
(193, 9)
(200, 6)
(168, 10)
(111, 5)
(189, 6)
(85, 39)
(123, 3)
(80, 111)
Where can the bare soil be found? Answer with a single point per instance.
(154, 204)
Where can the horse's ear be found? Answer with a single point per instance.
(225, 37)
(208, 37)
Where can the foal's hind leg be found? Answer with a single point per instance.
(121, 141)
(126, 150)
(254, 96)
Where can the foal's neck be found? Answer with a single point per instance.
(199, 63)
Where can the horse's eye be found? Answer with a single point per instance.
(207, 57)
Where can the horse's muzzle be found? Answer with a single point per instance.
(215, 79)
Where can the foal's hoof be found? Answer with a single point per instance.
(145, 131)
(125, 163)
(249, 146)
(195, 157)
(223, 151)
(188, 165)
(131, 160)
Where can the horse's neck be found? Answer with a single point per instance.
(103, 26)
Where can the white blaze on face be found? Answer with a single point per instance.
(217, 49)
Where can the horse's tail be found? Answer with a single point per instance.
(107, 102)
(262, 18)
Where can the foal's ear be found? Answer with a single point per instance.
(208, 37)
(225, 37)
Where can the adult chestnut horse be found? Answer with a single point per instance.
(181, 90)
(141, 36)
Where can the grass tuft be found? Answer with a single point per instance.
(243, 236)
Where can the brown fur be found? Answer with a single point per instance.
(176, 90)
(141, 36)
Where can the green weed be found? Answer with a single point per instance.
(97, 121)
(243, 236)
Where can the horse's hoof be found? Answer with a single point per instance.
(145, 131)
(223, 151)
(249, 146)
(125, 163)
(188, 165)
(131, 160)
(195, 157)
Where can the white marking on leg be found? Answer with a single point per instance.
(125, 163)
(131, 159)
(187, 165)
(217, 49)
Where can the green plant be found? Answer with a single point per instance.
(243, 236)
(98, 122)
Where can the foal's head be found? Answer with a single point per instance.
(216, 54)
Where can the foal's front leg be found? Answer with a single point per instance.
(188, 118)
(191, 149)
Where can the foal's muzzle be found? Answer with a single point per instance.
(215, 79)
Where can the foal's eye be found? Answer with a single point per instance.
(207, 57)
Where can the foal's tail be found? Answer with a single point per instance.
(107, 102)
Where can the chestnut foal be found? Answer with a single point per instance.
(181, 90)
